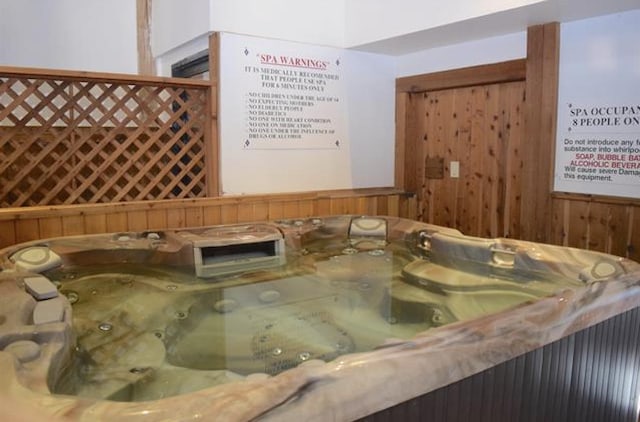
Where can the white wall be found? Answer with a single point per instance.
(93, 35)
(307, 21)
(177, 22)
(489, 50)
(371, 89)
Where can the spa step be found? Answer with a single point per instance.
(47, 311)
(40, 287)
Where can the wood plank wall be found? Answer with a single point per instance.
(473, 116)
(24, 224)
(536, 213)
(479, 127)
(610, 225)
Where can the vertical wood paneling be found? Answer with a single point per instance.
(424, 117)
(176, 218)
(578, 228)
(402, 98)
(260, 211)
(338, 206)
(229, 214)
(323, 206)
(94, 223)
(438, 133)
(472, 223)
(618, 227)
(412, 147)
(393, 206)
(137, 221)
(117, 222)
(382, 205)
(559, 217)
(514, 130)
(305, 208)
(462, 140)
(73, 225)
(174, 215)
(276, 210)
(50, 227)
(27, 229)
(7, 233)
(598, 224)
(491, 165)
(157, 218)
(193, 216)
(362, 206)
(245, 213)
(480, 128)
(290, 209)
(450, 150)
(211, 215)
(353, 206)
(633, 250)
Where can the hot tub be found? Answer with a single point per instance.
(316, 319)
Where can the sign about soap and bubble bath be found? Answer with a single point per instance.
(599, 150)
(598, 133)
(603, 144)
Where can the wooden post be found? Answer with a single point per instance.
(543, 53)
(212, 151)
(146, 65)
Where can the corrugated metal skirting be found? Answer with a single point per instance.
(591, 375)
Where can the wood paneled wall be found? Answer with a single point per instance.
(481, 128)
(610, 225)
(473, 116)
(23, 224)
(532, 211)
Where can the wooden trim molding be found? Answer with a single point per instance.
(119, 78)
(513, 70)
(600, 199)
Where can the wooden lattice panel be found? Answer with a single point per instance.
(70, 141)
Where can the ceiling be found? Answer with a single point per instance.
(502, 23)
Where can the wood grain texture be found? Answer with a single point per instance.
(543, 49)
(514, 70)
(24, 224)
(69, 141)
(480, 128)
(212, 148)
(146, 64)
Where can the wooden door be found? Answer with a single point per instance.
(481, 127)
